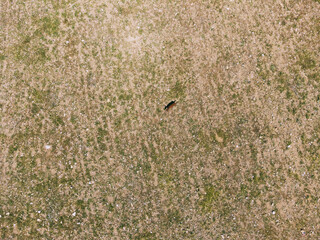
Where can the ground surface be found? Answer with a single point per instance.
(87, 151)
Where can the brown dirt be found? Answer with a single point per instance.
(87, 151)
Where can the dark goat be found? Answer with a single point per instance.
(170, 105)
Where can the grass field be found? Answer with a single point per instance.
(88, 152)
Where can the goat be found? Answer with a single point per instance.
(170, 105)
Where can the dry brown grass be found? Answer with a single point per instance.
(87, 151)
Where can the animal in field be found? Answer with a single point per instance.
(170, 105)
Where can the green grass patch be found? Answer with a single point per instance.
(57, 120)
(220, 137)
(174, 216)
(146, 236)
(306, 60)
(283, 81)
(50, 25)
(209, 198)
(178, 91)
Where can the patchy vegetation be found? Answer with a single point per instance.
(88, 152)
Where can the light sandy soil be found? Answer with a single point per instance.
(88, 152)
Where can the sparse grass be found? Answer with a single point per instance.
(210, 197)
(87, 151)
(306, 60)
